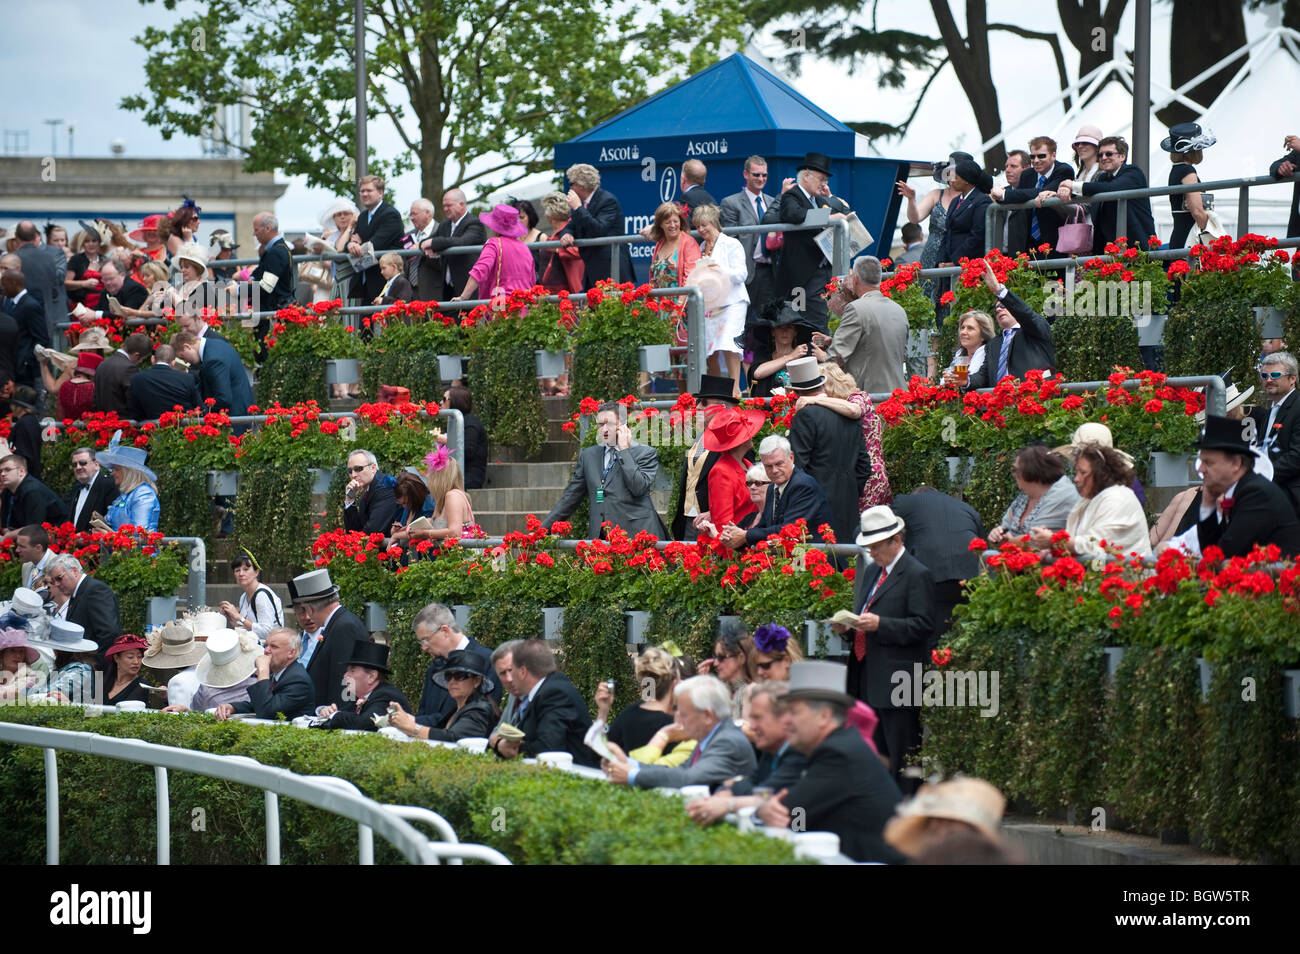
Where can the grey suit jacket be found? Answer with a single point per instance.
(44, 270)
(728, 754)
(738, 209)
(871, 343)
(626, 501)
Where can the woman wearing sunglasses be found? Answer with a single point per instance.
(475, 714)
(774, 651)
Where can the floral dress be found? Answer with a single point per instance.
(663, 273)
(876, 491)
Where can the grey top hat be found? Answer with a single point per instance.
(819, 681)
(805, 374)
(67, 637)
(313, 586)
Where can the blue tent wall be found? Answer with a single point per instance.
(723, 115)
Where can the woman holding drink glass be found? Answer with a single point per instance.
(973, 331)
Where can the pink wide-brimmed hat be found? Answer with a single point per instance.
(504, 220)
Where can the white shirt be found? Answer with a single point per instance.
(82, 496)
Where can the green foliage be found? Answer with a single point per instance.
(1212, 321)
(594, 649)
(274, 518)
(609, 368)
(290, 378)
(406, 659)
(531, 814)
(416, 370)
(496, 621)
(1089, 347)
(694, 630)
(507, 398)
(136, 576)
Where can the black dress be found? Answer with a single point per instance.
(78, 265)
(636, 725)
(1183, 220)
(134, 692)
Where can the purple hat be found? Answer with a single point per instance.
(17, 639)
(504, 220)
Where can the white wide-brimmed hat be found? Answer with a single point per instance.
(190, 252)
(231, 658)
(203, 625)
(879, 523)
(26, 602)
(174, 647)
(333, 209)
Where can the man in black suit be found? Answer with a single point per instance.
(283, 687)
(45, 269)
(966, 215)
(275, 275)
(1023, 344)
(1277, 423)
(1289, 165)
(693, 485)
(1116, 176)
(93, 491)
(381, 225)
(119, 284)
(894, 600)
(369, 694)
(91, 603)
(438, 635)
(28, 317)
(421, 270)
(844, 789)
(445, 275)
(595, 213)
(114, 374)
(1029, 228)
(939, 531)
(802, 269)
(25, 500)
(10, 340)
(792, 494)
(553, 714)
(329, 632)
(1239, 508)
(694, 195)
(368, 501)
(828, 447)
(160, 388)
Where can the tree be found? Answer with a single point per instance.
(479, 91)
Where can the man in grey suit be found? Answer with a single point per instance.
(44, 269)
(617, 476)
(913, 245)
(871, 340)
(747, 207)
(703, 709)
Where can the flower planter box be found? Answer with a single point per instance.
(959, 469)
(1171, 470)
(223, 483)
(376, 618)
(462, 611)
(1270, 321)
(321, 479)
(450, 366)
(638, 621)
(1291, 692)
(654, 358)
(723, 620)
(162, 609)
(1150, 329)
(815, 631)
(342, 370)
(1207, 673)
(552, 622)
(1113, 656)
(550, 364)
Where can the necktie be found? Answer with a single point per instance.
(695, 756)
(1268, 430)
(1033, 216)
(523, 706)
(1004, 353)
(609, 465)
(776, 505)
(860, 635)
(760, 246)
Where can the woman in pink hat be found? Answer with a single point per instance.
(731, 433)
(505, 264)
(123, 661)
(16, 657)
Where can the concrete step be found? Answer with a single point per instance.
(557, 407)
(552, 451)
(515, 474)
(536, 500)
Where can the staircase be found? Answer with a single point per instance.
(517, 486)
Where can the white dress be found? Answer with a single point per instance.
(724, 324)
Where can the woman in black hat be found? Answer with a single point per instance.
(1185, 144)
(778, 341)
(475, 714)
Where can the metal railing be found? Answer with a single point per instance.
(333, 795)
(196, 584)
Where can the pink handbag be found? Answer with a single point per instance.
(1075, 237)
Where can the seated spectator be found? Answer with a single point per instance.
(503, 663)
(1024, 345)
(25, 500)
(1094, 432)
(438, 635)
(72, 679)
(122, 663)
(173, 656)
(25, 432)
(559, 269)
(1277, 422)
(732, 660)
(160, 388)
(260, 609)
(17, 678)
(553, 716)
(368, 501)
(730, 435)
(84, 600)
(703, 709)
(756, 483)
(367, 676)
(1046, 495)
(845, 788)
(281, 686)
(414, 501)
(936, 812)
(475, 714)
(791, 495)
(1183, 511)
(453, 517)
(26, 611)
(32, 547)
(1107, 509)
(137, 504)
(656, 671)
(773, 653)
(226, 673)
(476, 444)
(974, 332)
(119, 286)
(1239, 508)
(397, 287)
(76, 393)
(843, 396)
(506, 263)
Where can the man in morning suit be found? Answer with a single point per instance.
(965, 235)
(694, 195)
(894, 600)
(159, 388)
(844, 789)
(1289, 165)
(693, 486)
(114, 374)
(91, 603)
(828, 447)
(802, 264)
(369, 691)
(791, 494)
(93, 491)
(551, 713)
(25, 500)
(1023, 343)
(1029, 228)
(457, 227)
(1277, 423)
(45, 270)
(1239, 508)
(939, 531)
(221, 372)
(703, 708)
(381, 225)
(616, 476)
(329, 632)
(28, 317)
(439, 636)
(368, 501)
(748, 207)
(1116, 176)
(595, 213)
(275, 275)
(283, 687)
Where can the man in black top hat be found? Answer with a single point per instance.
(329, 632)
(1239, 508)
(693, 486)
(369, 693)
(802, 264)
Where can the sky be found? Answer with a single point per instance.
(94, 63)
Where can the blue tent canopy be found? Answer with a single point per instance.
(723, 115)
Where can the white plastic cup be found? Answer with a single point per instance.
(475, 745)
(559, 760)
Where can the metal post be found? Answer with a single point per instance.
(455, 434)
(840, 247)
(694, 335)
(616, 264)
(1243, 211)
(365, 845)
(991, 229)
(1140, 152)
(163, 807)
(359, 55)
(51, 807)
(1121, 223)
(272, 828)
(198, 580)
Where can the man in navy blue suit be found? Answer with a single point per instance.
(381, 225)
(221, 373)
(790, 495)
(283, 687)
(1030, 228)
(596, 213)
(29, 316)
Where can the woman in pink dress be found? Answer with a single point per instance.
(505, 264)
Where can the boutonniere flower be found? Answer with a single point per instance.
(1226, 504)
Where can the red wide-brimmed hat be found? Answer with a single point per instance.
(125, 643)
(732, 426)
(147, 225)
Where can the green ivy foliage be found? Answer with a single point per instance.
(291, 378)
(594, 649)
(1089, 347)
(274, 517)
(1211, 322)
(606, 370)
(416, 370)
(507, 398)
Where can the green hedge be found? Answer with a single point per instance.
(530, 814)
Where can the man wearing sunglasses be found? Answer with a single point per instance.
(747, 207)
(368, 501)
(1116, 176)
(1278, 419)
(1030, 228)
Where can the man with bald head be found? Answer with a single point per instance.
(694, 194)
(458, 227)
(45, 270)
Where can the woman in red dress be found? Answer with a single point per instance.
(731, 434)
(76, 396)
